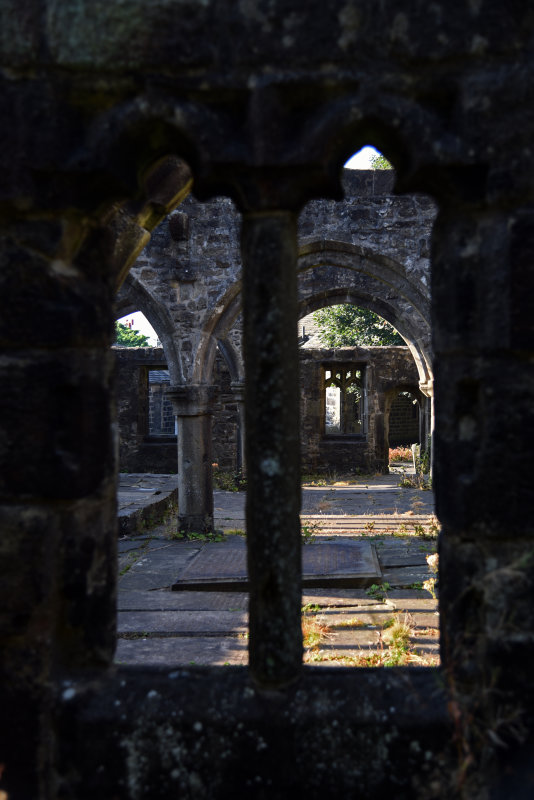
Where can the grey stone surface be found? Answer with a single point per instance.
(406, 576)
(182, 651)
(200, 623)
(144, 499)
(139, 600)
(325, 563)
(155, 567)
(367, 497)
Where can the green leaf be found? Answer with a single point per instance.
(128, 337)
(350, 326)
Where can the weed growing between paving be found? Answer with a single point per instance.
(378, 590)
(307, 532)
(192, 536)
(314, 630)
(394, 646)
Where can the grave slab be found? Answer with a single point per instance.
(220, 566)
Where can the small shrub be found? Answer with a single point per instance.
(229, 481)
(307, 532)
(378, 590)
(399, 454)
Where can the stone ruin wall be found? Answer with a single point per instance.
(371, 245)
(387, 369)
(141, 452)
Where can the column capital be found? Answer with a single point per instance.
(427, 387)
(192, 400)
(238, 390)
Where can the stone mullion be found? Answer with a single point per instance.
(238, 392)
(269, 252)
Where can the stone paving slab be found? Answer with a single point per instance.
(404, 552)
(182, 651)
(406, 576)
(337, 597)
(198, 623)
(369, 525)
(165, 600)
(355, 632)
(144, 499)
(157, 566)
(210, 627)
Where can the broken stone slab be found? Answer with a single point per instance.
(155, 568)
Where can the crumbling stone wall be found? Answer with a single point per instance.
(225, 420)
(139, 451)
(372, 247)
(384, 368)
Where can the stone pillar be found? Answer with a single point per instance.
(238, 391)
(57, 489)
(483, 310)
(193, 408)
(269, 252)
(428, 422)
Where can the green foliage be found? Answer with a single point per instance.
(193, 536)
(229, 481)
(378, 590)
(380, 162)
(425, 458)
(128, 337)
(350, 326)
(307, 532)
(310, 607)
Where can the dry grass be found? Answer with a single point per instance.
(393, 647)
(314, 631)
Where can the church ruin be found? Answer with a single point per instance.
(117, 115)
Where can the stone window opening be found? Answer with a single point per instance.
(344, 399)
(404, 420)
(161, 417)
